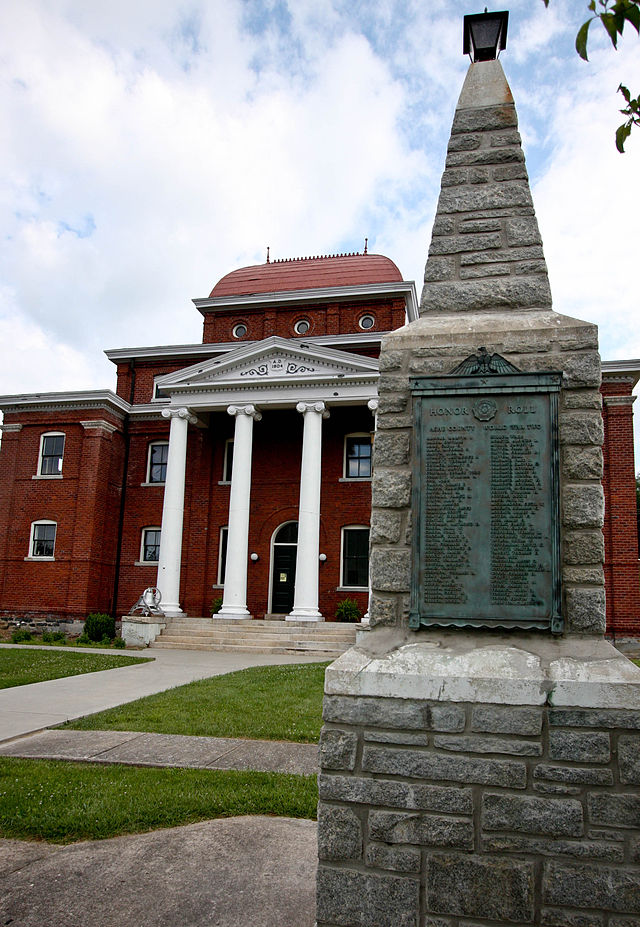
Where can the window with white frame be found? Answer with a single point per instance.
(51, 454)
(357, 456)
(150, 547)
(157, 462)
(355, 557)
(227, 467)
(222, 554)
(42, 542)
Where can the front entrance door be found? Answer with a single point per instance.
(285, 547)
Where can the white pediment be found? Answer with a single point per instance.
(274, 361)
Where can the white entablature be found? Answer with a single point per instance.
(276, 372)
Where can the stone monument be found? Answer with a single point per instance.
(480, 756)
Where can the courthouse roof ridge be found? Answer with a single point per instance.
(305, 273)
(318, 257)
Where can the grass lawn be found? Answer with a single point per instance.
(64, 802)
(262, 703)
(20, 667)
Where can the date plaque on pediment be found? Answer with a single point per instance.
(277, 367)
(486, 545)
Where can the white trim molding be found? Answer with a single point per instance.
(34, 525)
(619, 400)
(100, 425)
(58, 474)
(51, 402)
(325, 294)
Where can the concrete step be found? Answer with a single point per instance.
(162, 644)
(293, 643)
(323, 634)
(264, 627)
(256, 636)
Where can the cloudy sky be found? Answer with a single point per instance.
(150, 146)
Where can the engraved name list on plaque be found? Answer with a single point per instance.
(486, 498)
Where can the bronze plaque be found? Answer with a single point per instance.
(486, 544)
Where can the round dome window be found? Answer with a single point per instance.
(239, 330)
(301, 327)
(366, 322)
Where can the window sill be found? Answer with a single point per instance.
(39, 559)
(354, 479)
(153, 563)
(47, 476)
(217, 586)
(152, 484)
(224, 482)
(352, 589)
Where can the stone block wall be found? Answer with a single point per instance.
(532, 341)
(449, 814)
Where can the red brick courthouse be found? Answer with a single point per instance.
(240, 466)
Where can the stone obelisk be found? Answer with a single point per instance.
(480, 757)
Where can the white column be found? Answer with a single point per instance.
(305, 597)
(372, 405)
(234, 600)
(169, 560)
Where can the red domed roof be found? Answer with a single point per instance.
(308, 273)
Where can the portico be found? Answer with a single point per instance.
(277, 374)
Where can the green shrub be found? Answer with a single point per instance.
(119, 643)
(21, 636)
(348, 610)
(83, 639)
(53, 637)
(216, 605)
(98, 626)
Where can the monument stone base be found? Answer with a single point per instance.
(469, 780)
(142, 630)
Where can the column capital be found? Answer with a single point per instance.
(318, 407)
(372, 405)
(249, 410)
(180, 413)
(10, 429)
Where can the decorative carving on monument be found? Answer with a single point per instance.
(482, 364)
(484, 410)
(148, 603)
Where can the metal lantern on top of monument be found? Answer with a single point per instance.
(485, 35)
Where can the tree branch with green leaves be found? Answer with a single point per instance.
(614, 16)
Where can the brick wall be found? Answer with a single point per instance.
(84, 503)
(332, 319)
(622, 575)
(277, 449)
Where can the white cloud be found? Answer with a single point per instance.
(133, 184)
(588, 203)
(153, 147)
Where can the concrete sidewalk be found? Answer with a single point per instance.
(25, 709)
(231, 872)
(138, 749)
(236, 872)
